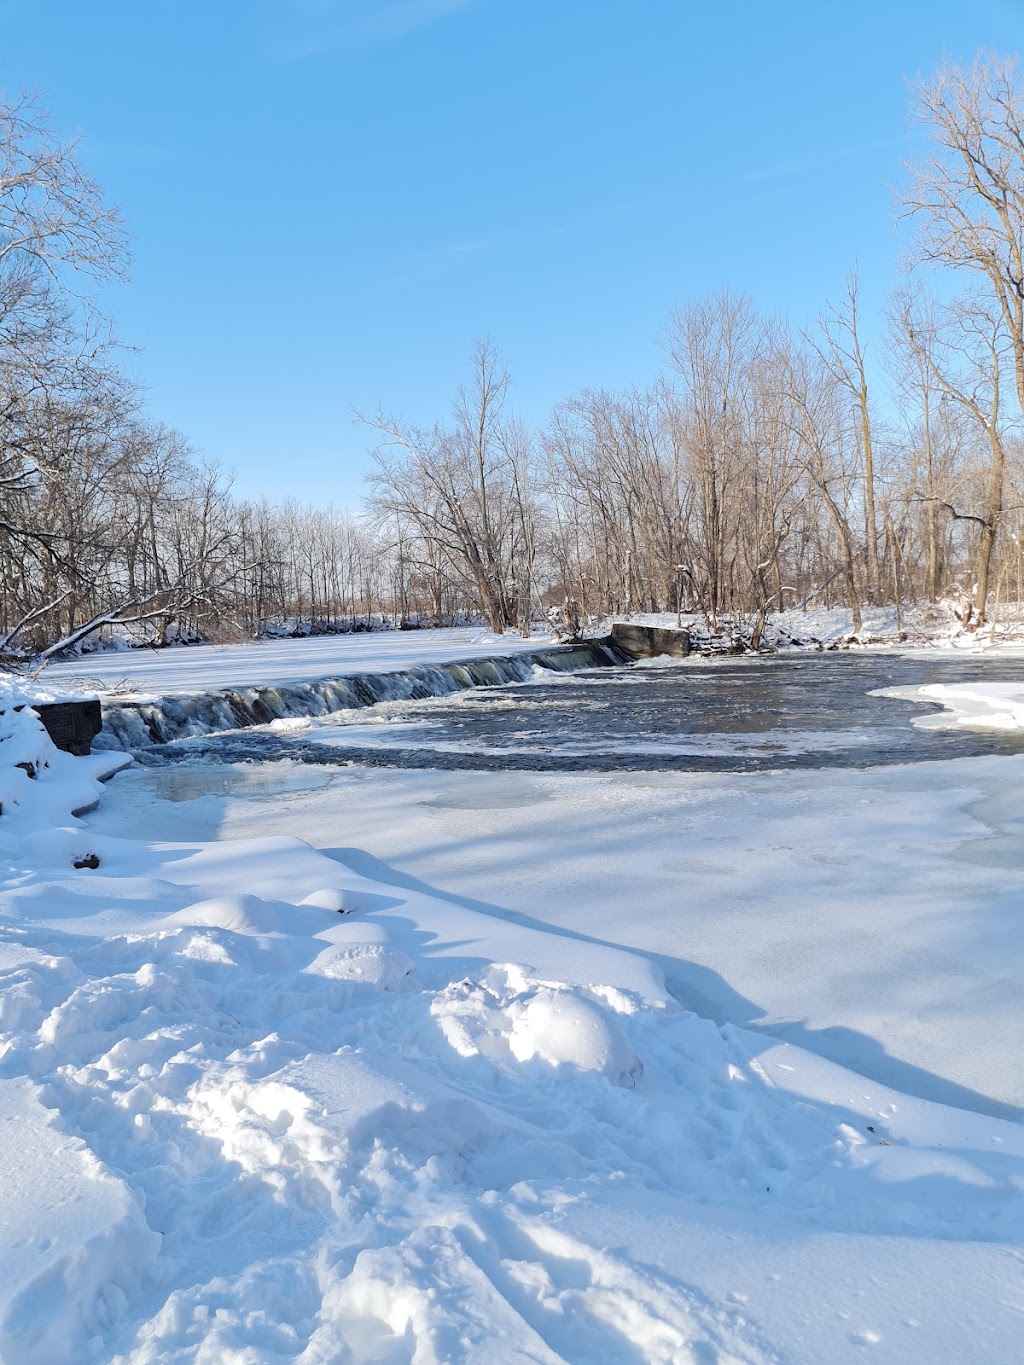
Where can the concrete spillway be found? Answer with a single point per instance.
(140, 724)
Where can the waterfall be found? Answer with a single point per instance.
(138, 724)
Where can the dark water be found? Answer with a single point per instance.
(738, 715)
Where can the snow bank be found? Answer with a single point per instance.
(39, 784)
(976, 706)
(261, 1106)
(813, 625)
(933, 626)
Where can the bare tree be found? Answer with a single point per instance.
(828, 456)
(465, 488)
(967, 198)
(842, 350)
(944, 435)
(710, 344)
(963, 347)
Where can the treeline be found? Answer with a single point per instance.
(765, 468)
(110, 523)
(768, 467)
(753, 477)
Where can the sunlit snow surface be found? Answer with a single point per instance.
(414, 1098)
(972, 706)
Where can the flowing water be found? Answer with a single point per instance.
(558, 712)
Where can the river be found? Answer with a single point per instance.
(725, 714)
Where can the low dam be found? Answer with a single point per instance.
(72, 725)
(139, 724)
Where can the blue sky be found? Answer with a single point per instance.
(330, 200)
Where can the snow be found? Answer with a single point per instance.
(204, 668)
(869, 915)
(825, 624)
(980, 706)
(29, 807)
(272, 1103)
(75, 1243)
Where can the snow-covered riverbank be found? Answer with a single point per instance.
(912, 627)
(250, 1127)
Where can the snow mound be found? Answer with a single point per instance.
(40, 786)
(510, 1016)
(249, 915)
(560, 1028)
(329, 898)
(377, 965)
